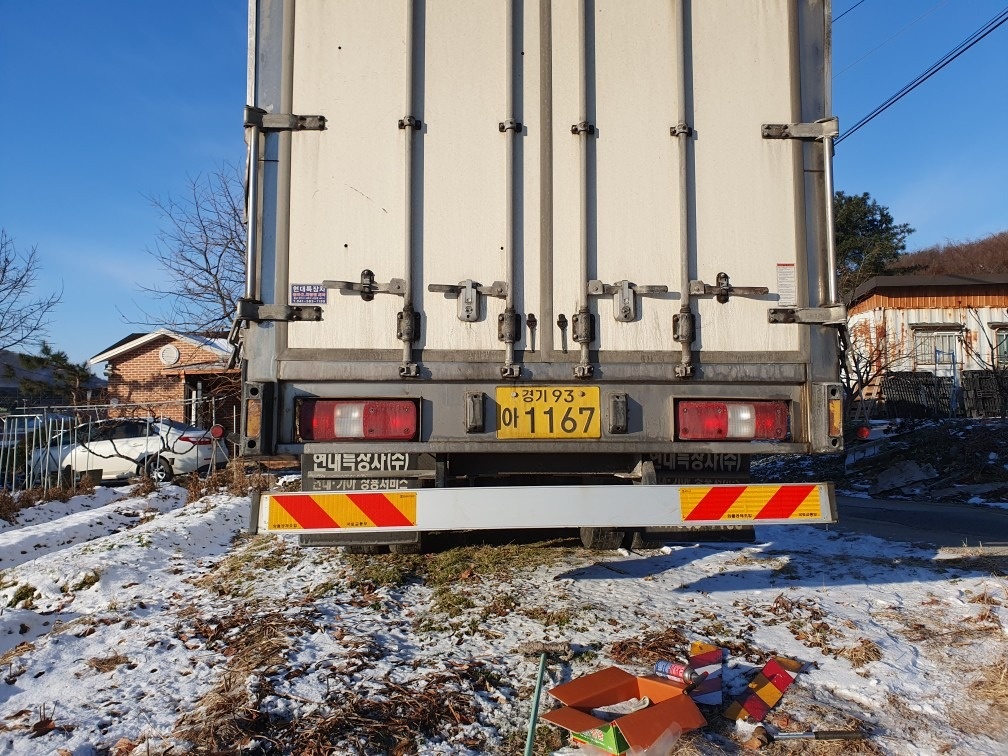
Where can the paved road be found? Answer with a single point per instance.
(946, 525)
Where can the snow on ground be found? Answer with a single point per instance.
(150, 625)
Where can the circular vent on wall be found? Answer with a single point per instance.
(169, 355)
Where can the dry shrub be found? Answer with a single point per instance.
(86, 485)
(144, 487)
(8, 506)
(234, 478)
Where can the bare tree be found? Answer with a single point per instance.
(24, 318)
(871, 353)
(201, 249)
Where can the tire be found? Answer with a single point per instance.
(641, 540)
(366, 548)
(407, 548)
(159, 470)
(602, 539)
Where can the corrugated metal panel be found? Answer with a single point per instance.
(931, 297)
(976, 334)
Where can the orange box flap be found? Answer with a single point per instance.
(607, 686)
(642, 728)
(612, 685)
(572, 719)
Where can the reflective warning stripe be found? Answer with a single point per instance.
(321, 511)
(765, 690)
(707, 659)
(749, 503)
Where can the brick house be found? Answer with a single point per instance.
(180, 376)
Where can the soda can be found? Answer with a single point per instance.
(679, 672)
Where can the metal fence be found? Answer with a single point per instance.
(46, 447)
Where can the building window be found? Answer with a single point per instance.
(1001, 349)
(934, 348)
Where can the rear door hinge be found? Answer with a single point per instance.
(258, 117)
(826, 127)
(252, 311)
(834, 315)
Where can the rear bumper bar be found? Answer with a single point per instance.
(508, 507)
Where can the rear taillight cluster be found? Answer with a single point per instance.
(377, 419)
(712, 421)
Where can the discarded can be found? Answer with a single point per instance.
(678, 672)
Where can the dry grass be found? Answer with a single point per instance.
(386, 717)
(11, 503)
(238, 568)
(655, 645)
(19, 650)
(108, 663)
(224, 715)
(985, 710)
(863, 653)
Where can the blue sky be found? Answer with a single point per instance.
(108, 102)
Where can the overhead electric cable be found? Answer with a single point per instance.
(848, 11)
(890, 39)
(950, 56)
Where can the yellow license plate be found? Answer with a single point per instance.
(548, 412)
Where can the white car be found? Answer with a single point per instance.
(116, 450)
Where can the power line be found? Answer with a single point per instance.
(848, 11)
(890, 39)
(950, 56)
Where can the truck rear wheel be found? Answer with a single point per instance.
(366, 548)
(602, 539)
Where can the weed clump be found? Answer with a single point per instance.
(144, 487)
(24, 594)
(8, 506)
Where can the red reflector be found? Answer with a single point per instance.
(379, 419)
(710, 421)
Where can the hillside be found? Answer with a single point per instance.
(987, 256)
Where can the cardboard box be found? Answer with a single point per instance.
(669, 704)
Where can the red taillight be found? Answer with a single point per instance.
(197, 440)
(380, 419)
(711, 421)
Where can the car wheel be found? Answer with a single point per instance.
(159, 470)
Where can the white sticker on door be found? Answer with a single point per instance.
(787, 290)
(308, 294)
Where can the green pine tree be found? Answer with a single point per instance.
(55, 376)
